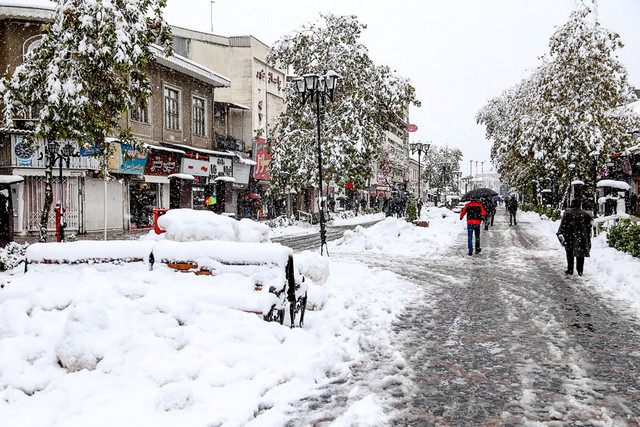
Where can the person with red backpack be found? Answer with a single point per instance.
(474, 212)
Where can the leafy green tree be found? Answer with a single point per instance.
(570, 110)
(88, 71)
(367, 101)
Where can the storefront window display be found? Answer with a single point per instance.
(142, 200)
(205, 197)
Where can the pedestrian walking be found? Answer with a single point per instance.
(575, 234)
(512, 208)
(490, 208)
(419, 205)
(474, 212)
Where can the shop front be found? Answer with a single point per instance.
(221, 182)
(28, 197)
(161, 162)
(201, 192)
(142, 196)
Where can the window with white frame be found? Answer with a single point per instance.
(171, 108)
(199, 121)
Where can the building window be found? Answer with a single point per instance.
(171, 108)
(199, 122)
(140, 114)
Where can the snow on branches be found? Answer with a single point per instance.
(88, 70)
(367, 101)
(570, 110)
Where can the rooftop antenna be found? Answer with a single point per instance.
(212, 2)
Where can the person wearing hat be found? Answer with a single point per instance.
(474, 212)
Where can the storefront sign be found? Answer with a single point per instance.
(195, 167)
(161, 163)
(127, 160)
(263, 158)
(221, 166)
(241, 172)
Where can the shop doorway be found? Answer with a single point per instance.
(143, 199)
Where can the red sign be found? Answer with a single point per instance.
(262, 160)
(411, 128)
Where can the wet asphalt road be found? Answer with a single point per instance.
(503, 338)
(312, 241)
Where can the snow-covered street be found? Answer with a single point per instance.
(406, 329)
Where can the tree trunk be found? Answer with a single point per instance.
(48, 200)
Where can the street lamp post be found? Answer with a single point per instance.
(317, 88)
(55, 153)
(419, 147)
(285, 176)
(444, 166)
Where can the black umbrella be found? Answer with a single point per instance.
(477, 193)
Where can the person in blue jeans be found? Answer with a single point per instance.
(474, 212)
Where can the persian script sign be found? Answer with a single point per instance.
(161, 163)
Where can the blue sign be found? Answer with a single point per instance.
(133, 161)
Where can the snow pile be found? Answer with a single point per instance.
(315, 269)
(607, 270)
(357, 219)
(107, 345)
(186, 225)
(90, 250)
(398, 237)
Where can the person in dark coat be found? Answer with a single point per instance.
(474, 212)
(575, 234)
(512, 208)
(490, 208)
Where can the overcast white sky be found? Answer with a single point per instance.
(457, 53)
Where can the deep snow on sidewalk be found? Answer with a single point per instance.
(607, 271)
(164, 349)
(160, 349)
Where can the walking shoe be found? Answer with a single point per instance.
(568, 272)
(470, 253)
(579, 273)
(478, 250)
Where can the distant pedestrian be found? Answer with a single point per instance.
(512, 208)
(419, 205)
(490, 208)
(474, 212)
(575, 234)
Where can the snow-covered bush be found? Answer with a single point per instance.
(11, 255)
(281, 221)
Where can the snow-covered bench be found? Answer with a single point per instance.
(89, 252)
(277, 289)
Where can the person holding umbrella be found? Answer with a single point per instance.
(474, 212)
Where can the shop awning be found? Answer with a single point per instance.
(200, 150)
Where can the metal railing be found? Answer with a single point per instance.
(306, 216)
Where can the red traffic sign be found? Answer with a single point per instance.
(411, 128)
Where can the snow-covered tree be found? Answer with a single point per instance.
(440, 168)
(570, 110)
(367, 101)
(89, 70)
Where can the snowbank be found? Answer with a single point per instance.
(81, 251)
(398, 237)
(186, 225)
(607, 270)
